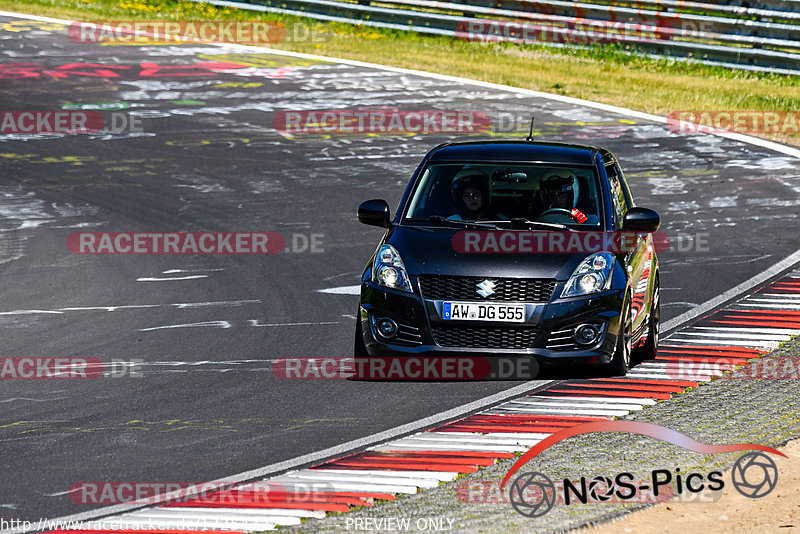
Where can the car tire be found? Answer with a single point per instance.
(622, 354)
(650, 348)
(359, 348)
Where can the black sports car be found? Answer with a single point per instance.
(513, 248)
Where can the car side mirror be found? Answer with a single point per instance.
(374, 213)
(641, 220)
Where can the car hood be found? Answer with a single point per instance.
(430, 251)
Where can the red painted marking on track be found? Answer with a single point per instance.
(431, 460)
(760, 323)
(710, 361)
(794, 313)
(713, 348)
(517, 428)
(625, 387)
(465, 453)
(708, 358)
(711, 354)
(654, 381)
(609, 393)
(126, 531)
(293, 505)
(753, 317)
(537, 417)
(634, 387)
(376, 465)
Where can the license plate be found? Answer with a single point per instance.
(475, 311)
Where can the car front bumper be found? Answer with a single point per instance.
(420, 328)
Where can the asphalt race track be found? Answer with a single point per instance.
(205, 329)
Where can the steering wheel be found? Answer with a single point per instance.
(558, 211)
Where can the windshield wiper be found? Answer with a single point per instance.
(456, 222)
(521, 222)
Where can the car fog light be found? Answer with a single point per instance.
(387, 328)
(586, 334)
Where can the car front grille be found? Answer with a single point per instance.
(484, 337)
(505, 289)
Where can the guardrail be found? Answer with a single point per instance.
(724, 35)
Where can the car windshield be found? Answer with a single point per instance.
(526, 193)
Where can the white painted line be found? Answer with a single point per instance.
(215, 304)
(555, 411)
(692, 376)
(442, 476)
(749, 344)
(788, 307)
(466, 444)
(748, 337)
(212, 324)
(256, 322)
(512, 437)
(172, 279)
(607, 400)
(481, 439)
(596, 402)
(30, 312)
(110, 308)
(333, 476)
(341, 485)
(274, 514)
(445, 447)
(771, 330)
(790, 302)
(343, 290)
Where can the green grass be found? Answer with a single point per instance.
(605, 75)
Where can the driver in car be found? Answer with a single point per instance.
(558, 189)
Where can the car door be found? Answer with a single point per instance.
(637, 260)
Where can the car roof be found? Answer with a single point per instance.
(522, 151)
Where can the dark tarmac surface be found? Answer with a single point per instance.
(206, 404)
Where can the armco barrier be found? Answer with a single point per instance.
(764, 38)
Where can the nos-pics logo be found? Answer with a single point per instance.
(534, 494)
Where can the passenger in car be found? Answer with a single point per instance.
(470, 191)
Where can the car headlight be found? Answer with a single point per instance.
(389, 270)
(593, 275)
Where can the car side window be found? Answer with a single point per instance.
(617, 194)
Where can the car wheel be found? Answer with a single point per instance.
(650, 348)
(622, 355)
(359, 349)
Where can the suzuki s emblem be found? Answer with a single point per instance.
(486, 288)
